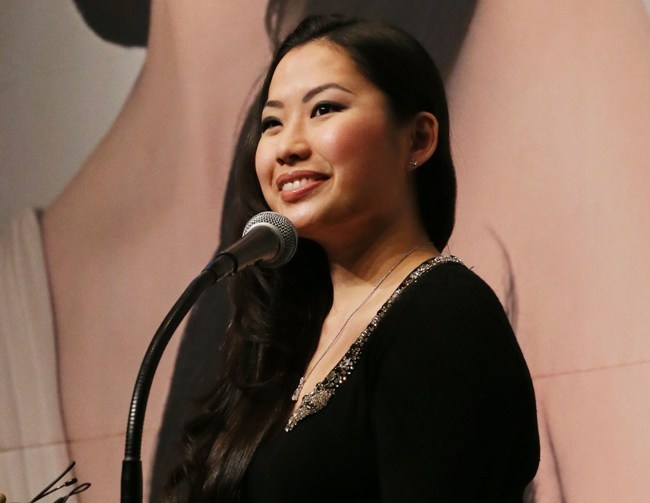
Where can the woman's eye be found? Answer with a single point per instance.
(325, 108)
(269, 122)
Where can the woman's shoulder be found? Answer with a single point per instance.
(447, 287)
(447, 329)
(445, 310)
(446, 373)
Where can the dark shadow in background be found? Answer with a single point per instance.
(440, 25)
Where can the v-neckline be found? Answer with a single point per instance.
(319, 397)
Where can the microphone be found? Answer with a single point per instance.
(269, 240)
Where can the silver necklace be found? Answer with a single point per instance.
(304, 378)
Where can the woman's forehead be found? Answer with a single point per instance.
(313, 64)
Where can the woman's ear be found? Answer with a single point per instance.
(424, 139)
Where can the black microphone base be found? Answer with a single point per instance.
(131, 481)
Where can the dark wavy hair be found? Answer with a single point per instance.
(278, 314)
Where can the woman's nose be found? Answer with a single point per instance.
(293, 147)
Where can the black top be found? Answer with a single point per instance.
(438, 408)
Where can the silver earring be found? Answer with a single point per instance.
(413, 163)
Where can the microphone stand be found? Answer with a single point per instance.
(223, 265)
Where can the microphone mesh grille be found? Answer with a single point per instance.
(289, 240)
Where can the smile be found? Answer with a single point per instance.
(296, 180)
(296, 184)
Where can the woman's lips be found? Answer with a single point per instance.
(296, 184)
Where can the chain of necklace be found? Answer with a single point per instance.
(304, 378)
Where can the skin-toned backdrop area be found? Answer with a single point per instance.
(127, 152)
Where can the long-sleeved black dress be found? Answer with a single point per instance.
(433, 403)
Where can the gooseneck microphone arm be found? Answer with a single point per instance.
(269, 239)
(131, 488)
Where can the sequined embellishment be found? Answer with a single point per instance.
(317, 399)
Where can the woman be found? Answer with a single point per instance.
(370, 367)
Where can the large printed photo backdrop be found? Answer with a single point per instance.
(549, 103)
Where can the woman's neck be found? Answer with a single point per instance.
(387, 261)
(165, 161)
(154, 183)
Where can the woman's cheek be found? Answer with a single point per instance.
(264, 172)
(339, 142)
(263, 167)
(352, 139)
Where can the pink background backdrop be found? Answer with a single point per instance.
(549, 106)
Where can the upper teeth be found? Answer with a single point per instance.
(296, 184)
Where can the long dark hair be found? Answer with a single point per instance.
(278, 314)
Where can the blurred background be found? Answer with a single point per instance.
(60, 89)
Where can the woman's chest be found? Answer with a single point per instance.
(328, 456)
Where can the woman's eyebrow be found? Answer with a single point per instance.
(319, 89)
(309, 94)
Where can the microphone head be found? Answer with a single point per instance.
(286, 232)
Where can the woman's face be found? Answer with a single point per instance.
(330, 156)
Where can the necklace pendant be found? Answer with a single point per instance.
(296, 393)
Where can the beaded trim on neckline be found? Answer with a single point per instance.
(318, 398)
